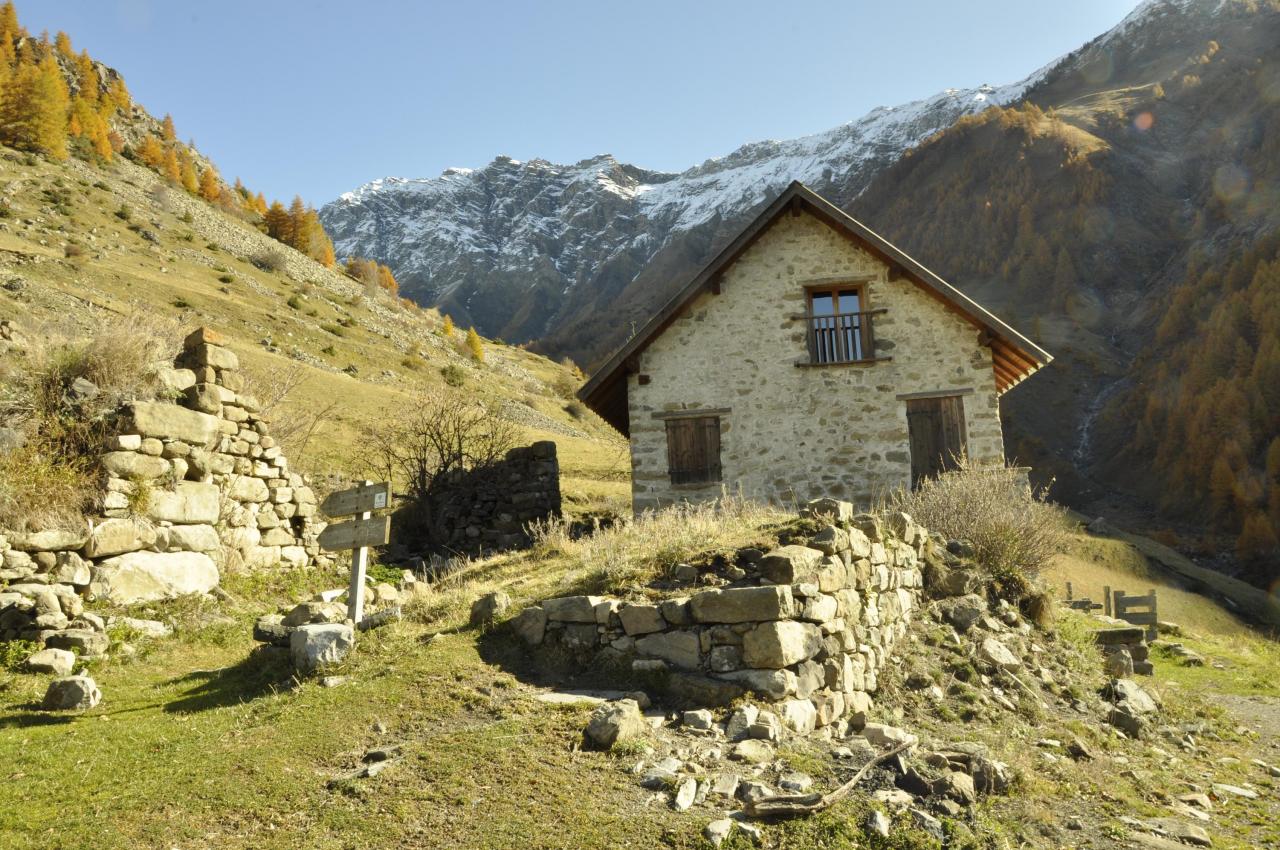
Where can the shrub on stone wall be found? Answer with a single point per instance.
(1014, 529)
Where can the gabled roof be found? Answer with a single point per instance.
(1014, 356)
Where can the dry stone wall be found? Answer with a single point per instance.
(807, 626)
(193, 486)
(490, 508)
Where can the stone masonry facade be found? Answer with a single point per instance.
(807, 627)
(193, 486)
(792, 433)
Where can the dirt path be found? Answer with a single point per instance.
(1261, 714)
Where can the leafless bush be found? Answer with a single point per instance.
(270, 260)
(292, 426)
(62, 401)
(425, 446)
(1013, 528)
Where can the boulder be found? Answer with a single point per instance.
(744, 604)
(773, 684)
(828, 509)
(151, 576)
(615, 722)
(88, 641)
(884, 737)
(119, 536)
(962, 612)
(59, 662)
(699, 718)
(790, 564)
(71, 692)
(70, 568)
(740, 721)
(189, 503)
(315, 645)
(1119, 663)
(752, 751)
(312, 611)
(780, 644)
(489, 607)
(995, 653)
(172, 422)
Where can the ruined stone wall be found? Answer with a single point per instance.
(807, 627)
(194, 486)
(794, 433)
(490, 508)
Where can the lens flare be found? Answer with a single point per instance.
(1143, 121)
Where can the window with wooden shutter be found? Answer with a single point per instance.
(693, 449)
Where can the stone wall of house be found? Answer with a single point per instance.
(193, 487)
(790, 433)
(490, 508)
(806, 627)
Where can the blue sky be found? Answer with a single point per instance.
(318, 97)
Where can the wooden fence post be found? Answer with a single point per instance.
(1106, 600)
(1069, 591)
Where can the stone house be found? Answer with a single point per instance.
(810, 358)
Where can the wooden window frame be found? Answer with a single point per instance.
(866, 332)
(711, 471)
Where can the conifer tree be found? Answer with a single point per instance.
(260, 203)
(387, 280)
(446, 327)
(187, 170)
(171, 168)
(167, 131)
(276, 221)
(9, 27)
(35, 109)
(475, 345)
(152, 153)
(209, 188)
(62, 44)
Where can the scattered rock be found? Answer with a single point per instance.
(995, 653)
(699, 719)
(615, 722)
(59, 662)
(71, 692)
(752, 752)
(878, 823)
(684, 795)
(717, 831)
(317, 644)
(489, 607)
(797, 782)
(962, 612)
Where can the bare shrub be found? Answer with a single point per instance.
(1013, 528)
(269, 260)
(427, 445)
(63, 400)
(292, 426)
(635, 552)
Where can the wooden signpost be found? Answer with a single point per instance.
(357, 534)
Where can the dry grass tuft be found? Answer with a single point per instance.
(636, 551)
(48, 481)
(1013, 529)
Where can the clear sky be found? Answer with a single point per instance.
(318, 97)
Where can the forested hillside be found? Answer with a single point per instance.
(1131, 228)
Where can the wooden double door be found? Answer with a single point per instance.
(937, 435)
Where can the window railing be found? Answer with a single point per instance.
(841, 337)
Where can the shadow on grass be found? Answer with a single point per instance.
(265, 670)
(32, 716)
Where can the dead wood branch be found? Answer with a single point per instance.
(794, 805)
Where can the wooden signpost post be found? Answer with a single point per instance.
(357, 534)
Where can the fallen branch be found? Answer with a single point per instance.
(793, 805)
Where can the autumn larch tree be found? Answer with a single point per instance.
(34, 115)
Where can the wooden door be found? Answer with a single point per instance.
(935, 428)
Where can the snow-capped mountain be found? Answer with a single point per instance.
(517, 248)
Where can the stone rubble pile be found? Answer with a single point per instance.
(805, 626)
(192, 487)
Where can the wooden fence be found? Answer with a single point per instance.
(1135, 610)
